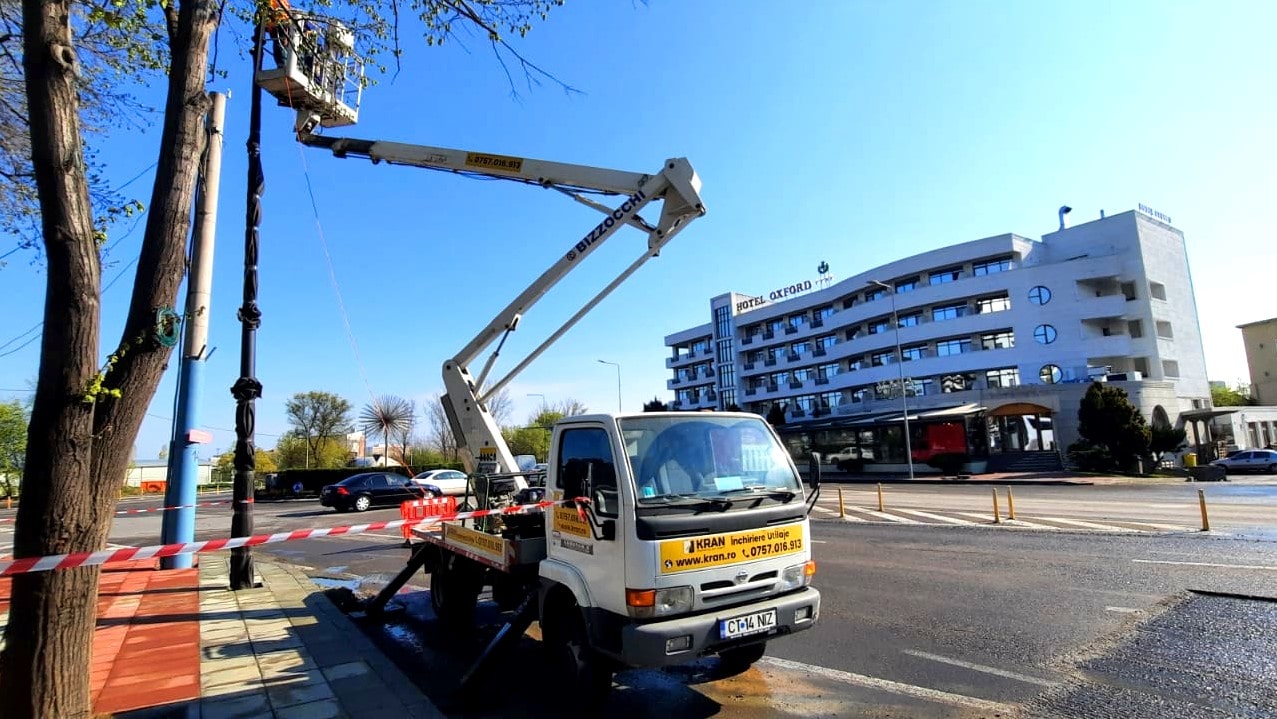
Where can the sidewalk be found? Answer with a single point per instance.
(180, 644)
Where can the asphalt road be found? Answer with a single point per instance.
(933, 619)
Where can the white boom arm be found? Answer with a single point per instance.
(483, 448)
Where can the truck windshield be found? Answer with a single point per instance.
(706, 458)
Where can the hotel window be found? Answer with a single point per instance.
(879, 326)
(923, 387)
(802, 374)
(941, 277)
(992, 304)
(849, 301)
(855, 363)
(825, 371)
(879, 359)
(1157, 290)
(948, 348)
(1005, 377)
(727, 376)
(915, 352)
(1039, 295)
(1050, 374)
(1170, 368)
(726, 348)
(1001, 264)
(774, 326)
(860, 395)
(1164, 330)
(797, 321)
(875, 294)
(907, 285)
(948, 312)
(827, 342)
(1044, 334)
(800, 348)
(1135, 329)
(824, 313)
(910, 320)
(723, 321)
(853, 333)
(831, 399)
(997, 340)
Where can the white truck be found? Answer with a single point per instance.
(674, 535)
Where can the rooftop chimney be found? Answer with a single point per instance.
(1064, 210)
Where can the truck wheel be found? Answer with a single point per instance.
(573, 662)
(454, 593)
(741, 658)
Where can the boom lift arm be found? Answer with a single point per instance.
(676, 185)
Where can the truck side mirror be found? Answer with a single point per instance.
(814, 470)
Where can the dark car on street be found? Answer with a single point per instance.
(361, 492)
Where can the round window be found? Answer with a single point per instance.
(1039, 295)
(1051, 374)
(1044, 334)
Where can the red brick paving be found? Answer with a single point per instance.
(147, 642)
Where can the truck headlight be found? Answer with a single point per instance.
(797, 576)
(646, 603)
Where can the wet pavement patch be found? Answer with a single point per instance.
(1207, 656)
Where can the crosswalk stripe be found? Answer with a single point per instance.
(891, 517)
(929, 515)
(1167, 527)
(1084, 525)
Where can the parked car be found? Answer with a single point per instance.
(361, 492)
(1250, 460)
(442, 481)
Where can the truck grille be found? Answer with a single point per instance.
(720, 592)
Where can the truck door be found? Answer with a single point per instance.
(585, 462)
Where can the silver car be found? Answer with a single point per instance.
(1250, 460)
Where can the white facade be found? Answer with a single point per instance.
(1002, 326)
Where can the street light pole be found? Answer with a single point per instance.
(618, 383)
(535, 394)
(900, 365)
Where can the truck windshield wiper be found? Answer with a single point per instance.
(785, 494)
(689, 500)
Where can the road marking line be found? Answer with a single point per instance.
(890, 517)
(887, 685)
(929, 515)
(1027, 525)
(1085, 525)
(819, 508)
(988, 518)
(1205, 564)
(819, 541)
(983, 668)
(1121, 610)
(1170, 527)
(853, 518)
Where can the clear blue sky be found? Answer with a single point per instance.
(851, 132)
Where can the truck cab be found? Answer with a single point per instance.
(694, 540)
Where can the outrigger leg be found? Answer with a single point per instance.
(503, 641)
(420, 555)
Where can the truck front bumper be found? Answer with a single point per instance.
(660, 643)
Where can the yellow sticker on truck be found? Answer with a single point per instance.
(504, 163)
(568, 521)
(484, 545)
(718, 550)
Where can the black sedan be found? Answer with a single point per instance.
(361, 492)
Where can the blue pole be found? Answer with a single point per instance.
(183, 474)
(183, 467)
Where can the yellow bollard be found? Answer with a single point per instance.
(880, 507)
(997, 517)
(842, 512)
(8, 502)
(1010, 505)
(1201, 500)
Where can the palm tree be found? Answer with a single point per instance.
(389, 417)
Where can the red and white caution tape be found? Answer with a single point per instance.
(112, 556)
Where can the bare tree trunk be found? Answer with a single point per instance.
(78, 450)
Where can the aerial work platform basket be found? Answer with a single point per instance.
(314, 70)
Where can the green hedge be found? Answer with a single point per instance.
(313, 480)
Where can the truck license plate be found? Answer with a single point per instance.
(755, 623)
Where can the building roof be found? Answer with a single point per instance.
(1257, 323)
